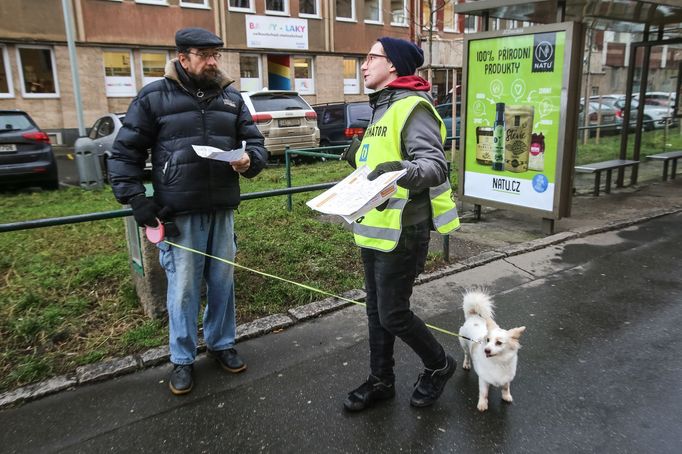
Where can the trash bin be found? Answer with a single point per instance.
(89, 169)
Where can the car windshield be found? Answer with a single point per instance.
(360, 112)
(274, 102)
(14, 122)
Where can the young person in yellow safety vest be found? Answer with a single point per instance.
(405, 132)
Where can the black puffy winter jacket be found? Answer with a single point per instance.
(167, 119)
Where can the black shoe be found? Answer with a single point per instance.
(181, 381)
(431, 383)
(228, 359)
(369, 392)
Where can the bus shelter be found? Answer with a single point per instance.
(526, 84)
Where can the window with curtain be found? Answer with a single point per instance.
(351, 79)
(249, 73)
(372, 11)
(304, 82)
(118, 73)
(398, 12)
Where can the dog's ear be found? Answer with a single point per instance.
(490, 324)
(516, 332)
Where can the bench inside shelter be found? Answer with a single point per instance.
(666, 158)
(608, 166)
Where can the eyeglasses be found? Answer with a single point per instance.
(205, 55)
(371, 57)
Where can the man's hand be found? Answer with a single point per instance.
(145, 211)
(242, 165)
(390, 166)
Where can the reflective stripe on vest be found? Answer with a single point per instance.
(381, 230)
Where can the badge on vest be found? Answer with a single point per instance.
(227, 102)
(364, 153)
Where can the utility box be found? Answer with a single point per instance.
(89, 169)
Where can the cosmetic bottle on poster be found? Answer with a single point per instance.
(498, 137)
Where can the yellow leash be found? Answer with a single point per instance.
(307, 287)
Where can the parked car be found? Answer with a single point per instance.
(339, 122)
(657, 98)
(26, 156)
(445, 112)
(655, 115)
(100, 140)
(284, 118)
(600, 114)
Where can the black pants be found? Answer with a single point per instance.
(389, 278)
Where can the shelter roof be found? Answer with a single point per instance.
(617, 15)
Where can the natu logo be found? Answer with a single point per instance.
(543, 52)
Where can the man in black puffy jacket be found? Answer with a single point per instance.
(193, 105)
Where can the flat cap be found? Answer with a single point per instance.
(193, 37)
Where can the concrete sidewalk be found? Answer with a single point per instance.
(498, 234)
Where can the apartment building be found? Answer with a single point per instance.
(313, 46)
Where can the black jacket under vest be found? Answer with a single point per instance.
(167, 117)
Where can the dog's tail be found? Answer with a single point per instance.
(477, 302)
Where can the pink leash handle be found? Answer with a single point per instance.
(155, 234)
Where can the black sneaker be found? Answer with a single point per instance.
(373, 390)
(181, 381)
(228, 359)
(431, 383)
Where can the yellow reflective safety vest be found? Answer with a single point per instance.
(381, 230)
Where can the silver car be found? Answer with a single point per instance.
(100, 140)
(284, 119)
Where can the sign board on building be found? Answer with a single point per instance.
(276, 32)
(518, 133)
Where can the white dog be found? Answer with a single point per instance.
(493, 351)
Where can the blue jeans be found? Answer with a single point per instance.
(212, 233)
(389, 278)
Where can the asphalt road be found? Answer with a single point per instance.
(599, 372)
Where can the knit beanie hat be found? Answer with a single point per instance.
(405, 55)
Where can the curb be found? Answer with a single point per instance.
(160, 355)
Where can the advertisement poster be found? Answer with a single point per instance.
(276, 32)
(513, 118)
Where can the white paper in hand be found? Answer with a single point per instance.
(220, 155)
(355, 195)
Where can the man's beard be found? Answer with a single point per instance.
(209, 77)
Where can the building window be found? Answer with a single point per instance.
(309, 8)
(351, 79)
(399, 12)
(429, 22)
(449, 24)
(242, 5)
(304, 82)
(37, 72)
(495, 23)
(118, 74)
(250, 73)
(279, 7)
(153, 66)
(6, 86)
(345, 10)
(373, 11)
(470, 24)
(195, 4)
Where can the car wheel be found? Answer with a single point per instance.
(52, 185)
(648, 124)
